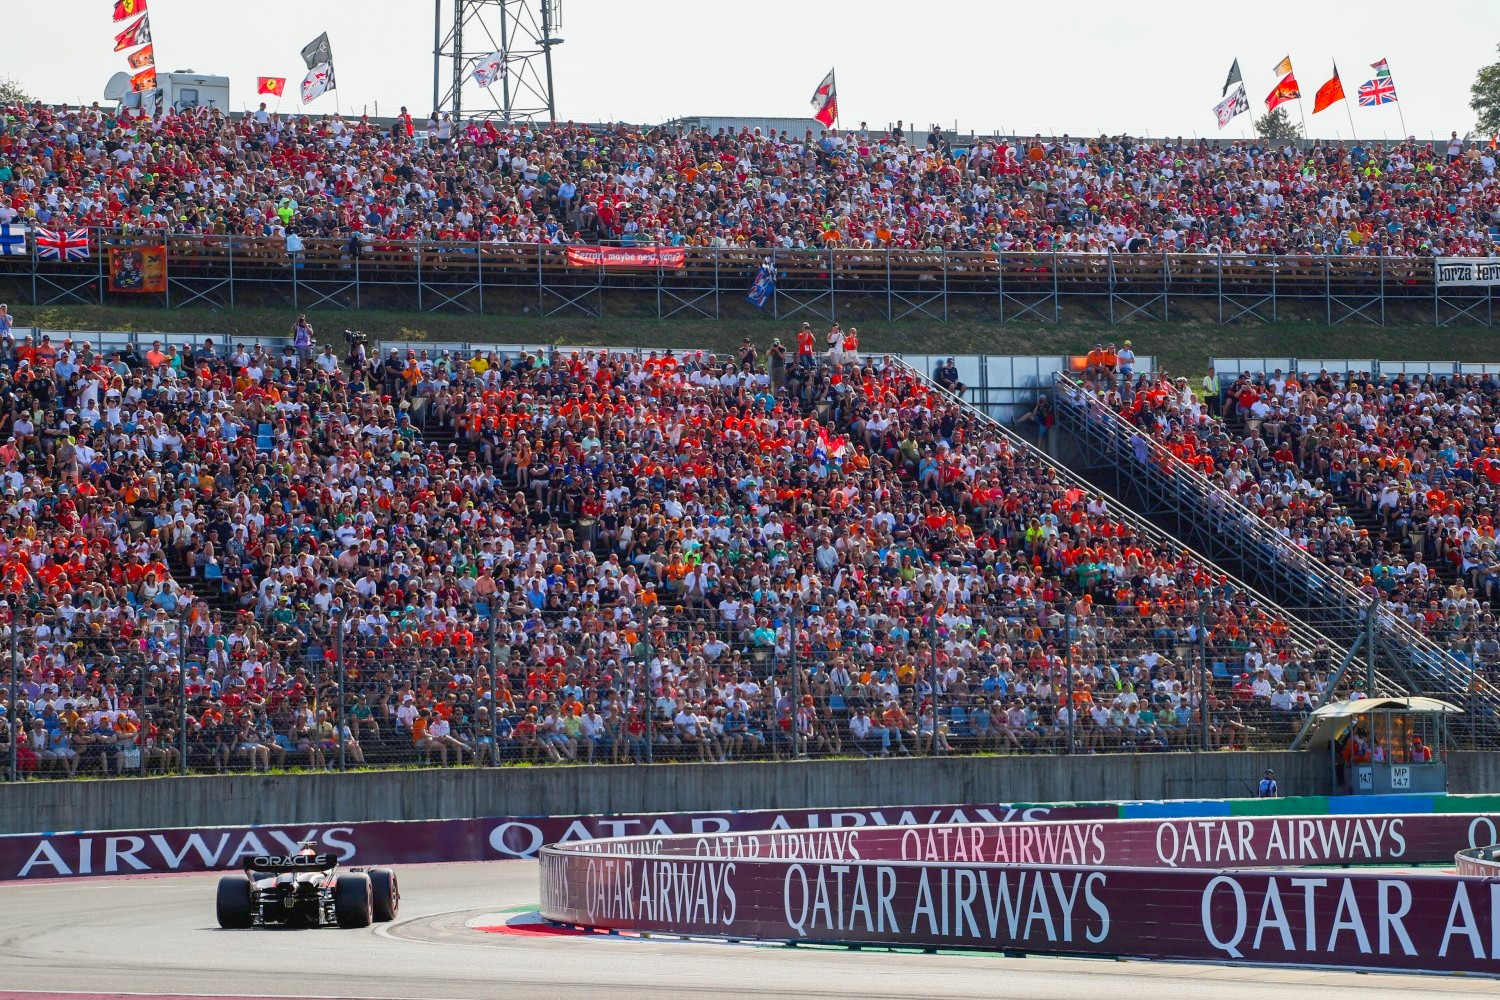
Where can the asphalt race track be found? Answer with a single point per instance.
(157, 936)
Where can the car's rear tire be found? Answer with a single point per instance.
(387, 893)
(353, 900)
(234, 906)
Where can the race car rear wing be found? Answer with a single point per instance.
(272, 864)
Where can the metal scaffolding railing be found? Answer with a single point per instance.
(827, 284)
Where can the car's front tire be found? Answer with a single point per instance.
(353, 900)
(234, 906)
(387, 893)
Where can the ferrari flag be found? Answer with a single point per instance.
(126, 9)
(826, 100)
(143, 81)
(138, 33)
(1284, 91)
(143, 58)
(275, 85)
(1330, 93)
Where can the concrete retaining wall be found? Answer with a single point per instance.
(133, 803)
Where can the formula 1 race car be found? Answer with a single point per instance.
(306, 890)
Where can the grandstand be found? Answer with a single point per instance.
(478, 218)
(286, 553)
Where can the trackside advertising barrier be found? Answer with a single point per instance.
(1332, 919)
(127, 852)
(965, 890)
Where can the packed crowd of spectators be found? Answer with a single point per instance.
(270, 175)
(314, 557)
(1391, 479)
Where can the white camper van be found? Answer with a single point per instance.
(178, 90)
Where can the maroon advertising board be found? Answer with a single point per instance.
(127, 852)
(1351, 920)
(1216, 842)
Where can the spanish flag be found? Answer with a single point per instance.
(275, 85)
(126, 9)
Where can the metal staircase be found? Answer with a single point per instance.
(1372, 675)
(1127, 463)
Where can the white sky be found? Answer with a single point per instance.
(1153, 67)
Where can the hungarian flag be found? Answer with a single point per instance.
(138, 33)
(129, 8)
(143, 81)
(826, 100)
(1330, 93)
(143, 58)
(1284, 91)
(275, 85)
(1382, 69)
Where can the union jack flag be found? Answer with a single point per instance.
(1380, 90)
(64, 244)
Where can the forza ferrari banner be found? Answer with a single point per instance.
(1473, 272)
(672, 257)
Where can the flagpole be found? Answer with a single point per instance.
(1399, 113)
(1353, 132)
(836, 119)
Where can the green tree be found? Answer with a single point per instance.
(12, 92)
(1484, 98)
(1277, 125)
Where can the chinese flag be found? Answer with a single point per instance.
(129, 8)
(1330, 93)
(143, 81)
(271, 85)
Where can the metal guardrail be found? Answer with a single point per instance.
(1217, 513)
(1232, 368)
(830, 284)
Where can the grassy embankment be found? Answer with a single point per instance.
(1181, 347)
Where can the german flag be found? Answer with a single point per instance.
(274, 85)
(126, 9)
